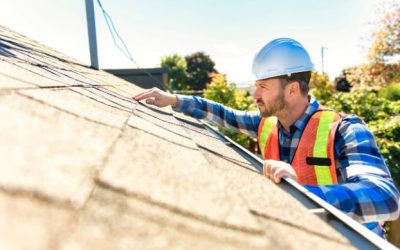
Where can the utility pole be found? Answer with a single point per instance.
(322, 58)
(91, 25)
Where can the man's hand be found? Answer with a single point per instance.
(274, 170)
(157, 97)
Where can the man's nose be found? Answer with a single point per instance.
(256, 94)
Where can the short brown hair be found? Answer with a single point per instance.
(302, 77)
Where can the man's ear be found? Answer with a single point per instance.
(293, 86)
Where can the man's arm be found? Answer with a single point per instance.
(367, 192)
(241, 121)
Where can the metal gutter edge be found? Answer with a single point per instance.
(358, 235)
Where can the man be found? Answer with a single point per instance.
(334, 156)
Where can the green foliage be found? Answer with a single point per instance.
(387, 133)
(221, 91)
(391, 92)
(364, 103)
(321, 87)
(244, 101)
(200, 68)
(177, 76)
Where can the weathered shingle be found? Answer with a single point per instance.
(47, 151)
(29, 223)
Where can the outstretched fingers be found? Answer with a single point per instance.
(151, 93)
(157, 97)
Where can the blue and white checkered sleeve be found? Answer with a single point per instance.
(367, 192)
(240, 121)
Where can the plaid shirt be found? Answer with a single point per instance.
(366, 191)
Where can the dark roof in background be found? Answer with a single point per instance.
(84, 167)
(145, 72)
(144, 78)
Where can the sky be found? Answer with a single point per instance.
(230, 31)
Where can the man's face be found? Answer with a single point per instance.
(269, 96)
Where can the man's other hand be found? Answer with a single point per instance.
(157, 97)
(274, 170)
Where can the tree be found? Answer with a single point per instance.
(383, 66)
(386, 37)
(199, 69)
(321, 87)
(177, 76)
(221, 91)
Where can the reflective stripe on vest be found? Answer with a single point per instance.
(313, 160)
(264, 131)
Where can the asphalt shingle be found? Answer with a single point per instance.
(175, 176)
(28, 223)
(47, 151)
(97, 109)
(115, 220)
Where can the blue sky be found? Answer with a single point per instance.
(230, 31)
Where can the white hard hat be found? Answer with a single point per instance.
(282, 56)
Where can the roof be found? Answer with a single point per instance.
(83, 166)
(144, 78)
(146, 72)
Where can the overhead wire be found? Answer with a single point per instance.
(124, 50)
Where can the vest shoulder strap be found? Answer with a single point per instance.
(265, 130)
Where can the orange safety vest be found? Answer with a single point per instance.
(313, 161)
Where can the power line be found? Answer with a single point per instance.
(112, 29)
(124, 50)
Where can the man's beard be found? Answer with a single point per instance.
(274, 106)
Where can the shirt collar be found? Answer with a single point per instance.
(301, 122)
